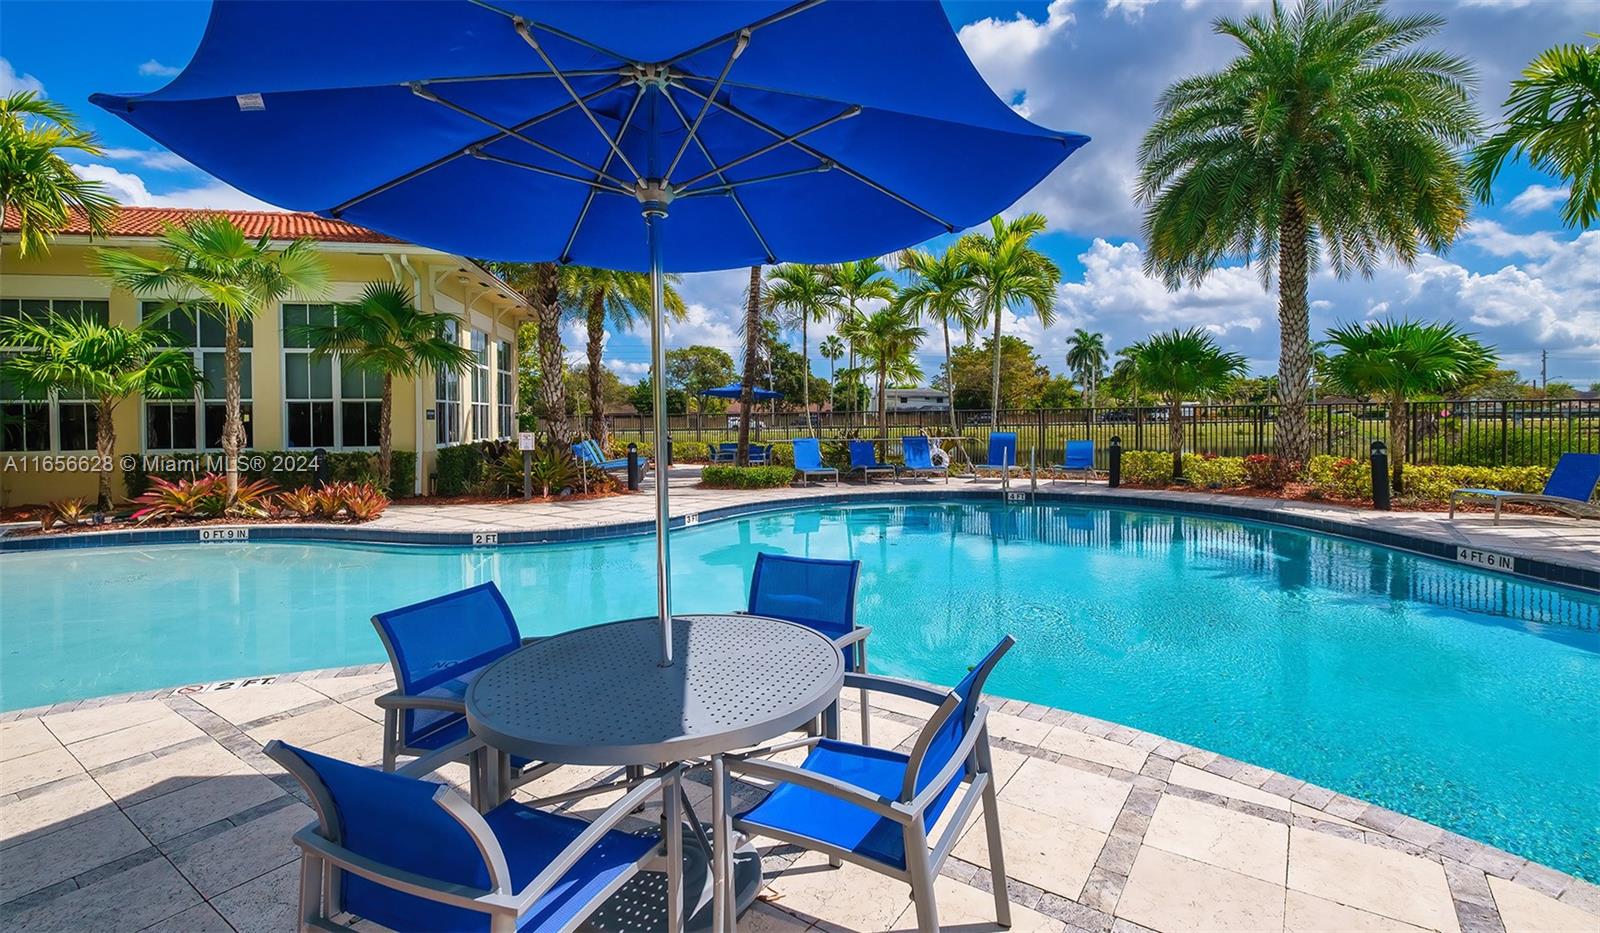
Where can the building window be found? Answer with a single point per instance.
(171, 425)
(327, 403)
(447, 386)
(481, 429)
(66, 421)
(505, 372)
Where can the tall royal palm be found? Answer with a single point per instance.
(622, 298)
(1086, 357)
(1008, 274)
(752, 332)
(1552, 121)
(832, 350)
(887, 343)
(939, 290)
(211, 267)
(1182, 365)
(540, 284)
(382, 332)
(858, 282)
(801, 293)
(1394, 361)
(1333, 135)
(38, 188)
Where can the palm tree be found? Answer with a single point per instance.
(939, 290)
(540, 284)
(887, 341)
(1399, 360)
(1086, 357)
(38, 188)
(382, 332)
(1008, 273)
(107, 363)
(1553, 122)
(1183, 365)
(858, 281)
(753, 303)
(622, 297)
(1126, 370)
(832, 350)
(1332, 134)
(209, 265)
(802, 293)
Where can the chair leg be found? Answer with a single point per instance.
(311, 912)
(997, 861)
(1452, 506)
(1497, 510)
(391, 738)
(866, 701)
(922, 877)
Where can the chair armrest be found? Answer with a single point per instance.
(434, 760)
(394, 699)
(821, 783)
(904, 688)
(955, 766)
(432, 889)
(859, 634)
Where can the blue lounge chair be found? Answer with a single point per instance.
(589, 452)
(1002, 457)
(760, 454)
(410, 854)
(1570, 487)
(875, 807)
(724, 453)
(821, 595)
(864, 458)
(1078, 458)
(918, 452)
(808, 460)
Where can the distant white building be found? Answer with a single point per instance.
(913, 400)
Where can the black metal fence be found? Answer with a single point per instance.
(1474, 433)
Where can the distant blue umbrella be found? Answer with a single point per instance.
(768, 131)
(735, 390)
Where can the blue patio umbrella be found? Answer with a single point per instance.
(627, 135)
(735, 390)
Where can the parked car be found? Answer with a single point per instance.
(980, 419)
(1116, 416)
(733, 423)
(801, 421)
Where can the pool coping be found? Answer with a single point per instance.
(1541, 568)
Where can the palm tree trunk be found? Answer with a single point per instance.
(805, 375)
(752, 362)
(552, 365)
(1294, 328)
(994, 387)
(1175, 434)
(883, 409)
(386, 435)
(232, 419)
(949, 374)
(597, 337)
(105, 448)
(1398, 440)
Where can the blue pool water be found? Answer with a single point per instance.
(1467, 699)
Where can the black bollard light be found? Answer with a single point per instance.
(1380, 476)
(633, 467)
(319, 463)
(1114, 459)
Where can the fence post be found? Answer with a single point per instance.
(1114, 463)
(1380, 476)
(1041, 432)
(1505, 435)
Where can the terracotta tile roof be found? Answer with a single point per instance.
(282, 225)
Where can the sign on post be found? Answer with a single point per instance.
(525, 444)
(525, 440)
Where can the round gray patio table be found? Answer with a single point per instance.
(598, 696)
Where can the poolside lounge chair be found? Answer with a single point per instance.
(918, 452)
(808, 460)
(875, 807)
(1002, 457)
(724, 453)
(410, 854)
(1078, 458)
(589, 452)
(437, 648)
(864, 458)
(760, 454)
(1570, 487)
(821, 595)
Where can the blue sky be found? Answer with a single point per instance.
(1095, 66)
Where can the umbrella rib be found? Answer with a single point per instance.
(552, 30)
(464, 150)
(583, 214)
(689, 137)
(520, 75)
(727, 186)
(779, 143)
(822, 157)
(525, 31)
(783, 14)
(429, 95)
(590, 183)
(738, 202)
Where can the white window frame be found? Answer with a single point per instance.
(505, 375)
(480, 427)
(55, 402)
(197, 352)
(336, 370)
(448, 409)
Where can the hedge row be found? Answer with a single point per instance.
(734, 477)
(281, 468)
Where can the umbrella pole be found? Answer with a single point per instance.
(654, 213)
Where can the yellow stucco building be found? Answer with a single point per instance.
(293, 403)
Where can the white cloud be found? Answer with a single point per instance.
(159, 159)
(1537, 198)
(1496, 240)
(156, 69)
(130, 189)
(628, 371)
(1132, 10)
(11, 82)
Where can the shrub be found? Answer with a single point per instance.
(1147, 467)
(299, 503)
(734, 477)
(458, 470)
(1340, 477)
(1265, 471)
(69, 512)
(617, 447)
(1522, 446)
(203, 497)
(552, 467)
(343, 466)
(364, 501)
(1214, 472)
(1434, 483)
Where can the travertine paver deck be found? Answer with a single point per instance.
(162, 813)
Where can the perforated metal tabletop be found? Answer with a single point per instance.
(598, 696)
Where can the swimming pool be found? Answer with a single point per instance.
(1464, 698)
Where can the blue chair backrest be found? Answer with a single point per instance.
(582, 452)
(863, 454)
(1003, 448)
(441, 639)
(1080, 455)
(948, 735)
(807, 454)
(917, 451)
(760, 453)
(596, 454)
(819, 594)
(1574, 477)
(396, 821)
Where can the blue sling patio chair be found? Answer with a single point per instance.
(821, 595)
(876, 807)
(760, 454)
(1002, 456)
(1078, 458)
(918, 453)
(723, 453)
(589, 452)
(437, 648)
(864, 459)
(808, 460)
(1570, 487)
(411, 854)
